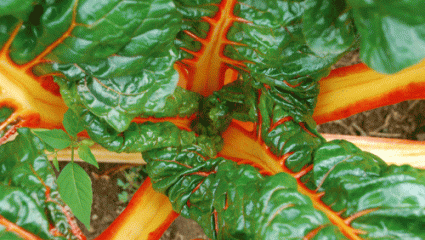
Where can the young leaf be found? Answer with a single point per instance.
(55, 138)
(72, 123)
(55, 161)
(76, 190)
(85, 154)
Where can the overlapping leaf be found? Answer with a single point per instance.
(397, 39)
(29, 197)
(236, 100)
(387, 202)
(138, 137)
(233, 201)
(328, 26)
(277, 54)
(120, 53)
(114, 61)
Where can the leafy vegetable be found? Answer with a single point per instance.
(29, 197)
(170, 79)
(397, 37)
(236, 202)
(328, 26)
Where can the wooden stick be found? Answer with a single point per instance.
(392, 151)
(102, 155)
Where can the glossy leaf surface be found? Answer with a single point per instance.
(349, 189)
(120, 54)
(30, 203)
(230, 201)
(85, 154)
(276, 54)
(257, 62)
(328, 26)
(396, 41)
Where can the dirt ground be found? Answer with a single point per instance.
(404, 120)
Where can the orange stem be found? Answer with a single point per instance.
(354, 89)
(393, 151)
(147, 216)
(240, 144)
(12, 227)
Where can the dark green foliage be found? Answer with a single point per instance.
(116, 63)
(26, 180)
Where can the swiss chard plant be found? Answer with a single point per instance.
(221, 98)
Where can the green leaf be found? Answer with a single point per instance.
(29, 196)
(236, 100)
(276, 54)
(328, 26)
(392, 33)
(247, 205)
(120, 54)
(19, 9)
(76, 190)
(72, 123)
(85, 154)
(354, 181)
(123, 196)
(55, 138)
(55, 162)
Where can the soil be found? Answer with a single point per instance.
(404, 120)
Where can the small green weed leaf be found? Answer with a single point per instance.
(55, 161)
(72, 123)
(123, 196)
(122, 184)
(87, 142)
(76, 190)
(55, 138)
(85, 154)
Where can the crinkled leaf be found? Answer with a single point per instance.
(392, 33)
(236, 100)
(85, 154)
(120, 53)
(284, 135)
(138, 137)
(236, 202)
(29, 197)
(182, 103)
(192, 13)
(55, 138)
(361, 185)
(277, 55)
(328, 26)
(245, 205)
(18, 9)
(76, 191)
